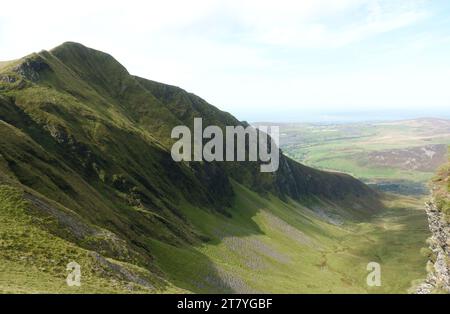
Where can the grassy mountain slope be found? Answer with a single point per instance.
(441, 190)
(86, 175)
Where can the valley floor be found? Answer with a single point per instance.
(267, 246)
(258, 251)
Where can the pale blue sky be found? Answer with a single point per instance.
(262, 60)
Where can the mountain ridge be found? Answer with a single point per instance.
(87, 144)
(152, 106)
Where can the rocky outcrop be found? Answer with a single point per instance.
(31, 68)
(438, 278)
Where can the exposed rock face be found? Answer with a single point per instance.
(120, 272)
(438, 279)
(31, 67)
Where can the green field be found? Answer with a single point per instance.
(399, 156)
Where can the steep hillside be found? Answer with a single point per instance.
(86, 174)
(442, 191)
(438, 252)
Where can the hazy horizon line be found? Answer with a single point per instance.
(348, 119)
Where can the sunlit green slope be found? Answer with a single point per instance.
(86, 175)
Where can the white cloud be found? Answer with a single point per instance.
(256, 53)
(307, 23)
(325, 23)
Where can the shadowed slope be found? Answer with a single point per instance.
(78, 133)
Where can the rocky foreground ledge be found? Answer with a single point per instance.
(438, 278)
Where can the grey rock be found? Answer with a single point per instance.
(438, 279)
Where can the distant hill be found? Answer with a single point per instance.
(396, 156)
